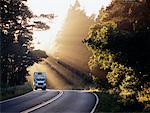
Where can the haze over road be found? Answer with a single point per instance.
(59, 76)
(67, 102)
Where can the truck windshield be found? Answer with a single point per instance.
(40, 79)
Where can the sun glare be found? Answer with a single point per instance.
(45, 40)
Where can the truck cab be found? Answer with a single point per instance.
(40, 80)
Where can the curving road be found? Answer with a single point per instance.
(51, 101)
(26, 101)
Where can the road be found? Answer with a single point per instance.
(51, 101)
(61, 100)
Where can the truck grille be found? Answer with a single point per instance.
(40, 83)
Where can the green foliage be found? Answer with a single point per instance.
(108, 103)
(99, 34)
(101, 83)
(9, 92)
(129, 15)
(41, 25)
(16, 42)
(120, 76)
(120, 45)
(111, 102)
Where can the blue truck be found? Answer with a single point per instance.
(40, 80)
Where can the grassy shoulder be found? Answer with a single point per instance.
(10, 92)
(110, 102)
(107, 103)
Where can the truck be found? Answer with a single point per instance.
(40, 80)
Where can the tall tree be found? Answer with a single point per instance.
(16, 42)
(69, 44)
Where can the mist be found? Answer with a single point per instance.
(69, 44)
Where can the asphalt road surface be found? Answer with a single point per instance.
(51, 101)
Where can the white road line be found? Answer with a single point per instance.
(43, 104)
(97, 100)
(14, 98)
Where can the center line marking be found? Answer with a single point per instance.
(43, 104)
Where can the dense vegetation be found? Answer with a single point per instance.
(120, 45)
(16, 43)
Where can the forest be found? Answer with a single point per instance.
(120, 45)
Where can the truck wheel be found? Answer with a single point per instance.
(35, 88)
(44, 88)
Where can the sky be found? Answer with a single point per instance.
(45, 40)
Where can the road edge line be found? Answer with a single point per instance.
(43, 104)
(3, 101)
(97, 101)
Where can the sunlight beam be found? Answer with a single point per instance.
(45, 40)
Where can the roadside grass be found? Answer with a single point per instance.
(111, 102)
(10, 92)
(107, 103)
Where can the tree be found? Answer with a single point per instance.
(69, 39)
(132, 43)
(120, 43)
(127, 14)
(16, 42)
(111, 49)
